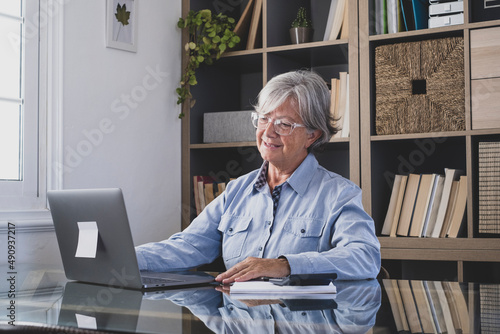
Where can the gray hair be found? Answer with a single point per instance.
(308, 92)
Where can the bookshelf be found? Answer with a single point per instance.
(232, 84)
(472, 255)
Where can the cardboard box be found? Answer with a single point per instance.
(228, 126)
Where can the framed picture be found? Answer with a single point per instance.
(121, 24)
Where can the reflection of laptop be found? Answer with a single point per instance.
(97, 218)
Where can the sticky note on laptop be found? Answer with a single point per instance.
(87, 239)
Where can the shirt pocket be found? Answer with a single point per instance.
(303, 234)
(235, 231)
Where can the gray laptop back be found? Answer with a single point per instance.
(115, 262)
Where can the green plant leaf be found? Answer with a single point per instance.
(122, 15)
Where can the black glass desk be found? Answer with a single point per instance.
(386, 306)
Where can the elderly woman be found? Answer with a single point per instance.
(291, 216)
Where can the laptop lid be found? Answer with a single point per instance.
(95, 241)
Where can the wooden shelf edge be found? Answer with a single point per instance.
(420, 254)
(416, 33)
(420, 135)
(445, 244)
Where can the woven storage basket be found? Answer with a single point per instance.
(419, 86)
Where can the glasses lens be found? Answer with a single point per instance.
(283, 128)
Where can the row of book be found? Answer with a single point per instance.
(339, 107)
(337, 24)
(249, 26)
(427, 205)
(392, 16)
(427, 306)
(205, 191)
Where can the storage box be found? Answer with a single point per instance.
(419, 86)
(228, 126)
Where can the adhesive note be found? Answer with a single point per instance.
(85, 321)
(87, 239)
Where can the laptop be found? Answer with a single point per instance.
(104, 253)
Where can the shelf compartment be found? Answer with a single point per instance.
(231, 84)
(326, 60)
(404, 156)
(421, 270)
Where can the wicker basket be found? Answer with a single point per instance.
(419, 86)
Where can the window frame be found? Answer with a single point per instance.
(29, 205)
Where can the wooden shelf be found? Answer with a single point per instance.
(365, 158)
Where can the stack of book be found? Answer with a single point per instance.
(427, 306)
(489, 187)
(427, 205)
(249, 26)
(337, 24)
(339, 107)
(445, 12)
(205, 191)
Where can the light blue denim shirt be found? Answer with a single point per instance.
(320, 227)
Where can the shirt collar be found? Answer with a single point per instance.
(300, 178)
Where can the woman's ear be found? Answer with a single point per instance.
(312, 137)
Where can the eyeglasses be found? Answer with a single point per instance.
(281, 127)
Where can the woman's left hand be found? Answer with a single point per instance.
(253, 267)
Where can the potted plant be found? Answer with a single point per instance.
(209, 37)
(301, 30)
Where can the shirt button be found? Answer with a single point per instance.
(268, 223)
(230, 229)
(260, 248)
(302, 231)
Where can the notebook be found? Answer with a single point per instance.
(96, 244)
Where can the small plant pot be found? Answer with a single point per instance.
(301, 35)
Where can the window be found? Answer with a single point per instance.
(22, 171)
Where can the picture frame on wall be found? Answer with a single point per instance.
(121, 24)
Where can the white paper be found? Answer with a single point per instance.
(268, 287)
(87, 240)
(85, 321)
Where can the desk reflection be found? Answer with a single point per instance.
(352, 310)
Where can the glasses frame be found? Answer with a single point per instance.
(256, 116)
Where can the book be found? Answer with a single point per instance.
(243, 25)
(449, 209)
(408, 205)
(409, 306)
(449, 176)
(399, 204)
(457, 217)
(434, 202)
(342, 102)
(458, 306)
(337, 20)
(397, 308)
(346, 122)
(334, 103)
(344, 31)
(423, 307)
(381, 17)
(254, 25)
(331, 17)
(205, 191)
(435, 306)
(407, 13)
(421, 204)
(420, 14)
(392, 16)
(445, 308)
(393, 201)
(249, 287)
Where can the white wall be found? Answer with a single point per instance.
(120, 115)
(120, 125)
